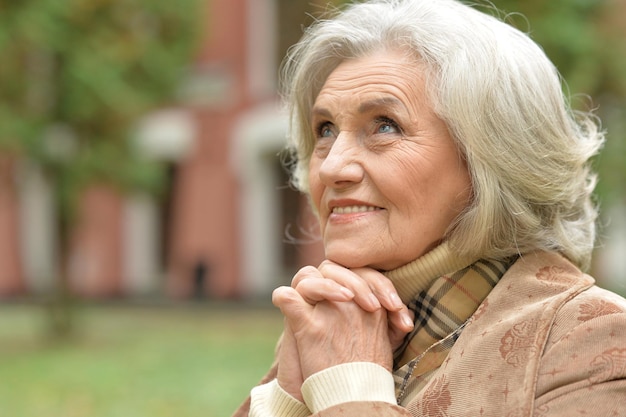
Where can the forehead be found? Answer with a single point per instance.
(383, 79)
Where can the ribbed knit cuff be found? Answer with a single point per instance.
(355, 381)
(270, 400)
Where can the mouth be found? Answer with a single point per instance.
(354, 209)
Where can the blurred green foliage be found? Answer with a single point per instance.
(586, 40)
(76, 75)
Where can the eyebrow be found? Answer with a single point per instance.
(375, 104)
(365, 107)
(320, 111)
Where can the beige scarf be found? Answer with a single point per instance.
(443, 290)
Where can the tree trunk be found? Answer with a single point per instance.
(11, 276)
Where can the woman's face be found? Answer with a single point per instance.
(385, 175)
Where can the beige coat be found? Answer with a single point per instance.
(545, 342)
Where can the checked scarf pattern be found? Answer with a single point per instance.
(441, 312)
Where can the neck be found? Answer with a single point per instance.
(417, 275)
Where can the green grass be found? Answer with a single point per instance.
(134, 361)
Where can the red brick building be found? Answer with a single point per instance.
(221, 229)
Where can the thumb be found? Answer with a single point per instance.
(290, 303)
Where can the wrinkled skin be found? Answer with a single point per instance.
(365, 327)
(387, 182)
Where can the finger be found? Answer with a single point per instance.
(305, 272)
(399, 327)
(363, 294)
(382, 288)
(290, 303)
(401, 320)
(316, 290)
(289, 374)
(396, 338)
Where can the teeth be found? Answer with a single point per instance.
(353, 209)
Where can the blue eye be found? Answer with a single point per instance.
(324, 130)
(386, 125)
(386, 128)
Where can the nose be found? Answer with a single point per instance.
(342, 167)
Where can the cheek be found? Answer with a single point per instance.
(315, 186)
(425, 188)
(453, 198)
(460, 184)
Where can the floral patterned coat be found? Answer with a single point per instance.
(545, 342)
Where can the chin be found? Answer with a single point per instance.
(346, 260)
(350, 261)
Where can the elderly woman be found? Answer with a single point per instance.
(453, 191)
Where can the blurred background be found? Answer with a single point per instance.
(145, 215)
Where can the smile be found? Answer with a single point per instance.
(354, 209)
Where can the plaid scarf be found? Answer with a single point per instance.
(446, 291)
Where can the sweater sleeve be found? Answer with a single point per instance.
(349, 382)
(357, 381)
(270, 400)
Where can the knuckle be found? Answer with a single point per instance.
(304, 273)
(307, 270)
(282, 295)
(325, 266)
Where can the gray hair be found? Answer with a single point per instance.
(528, 153)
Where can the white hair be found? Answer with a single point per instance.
(527, 152)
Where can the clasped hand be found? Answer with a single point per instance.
(334, 315)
